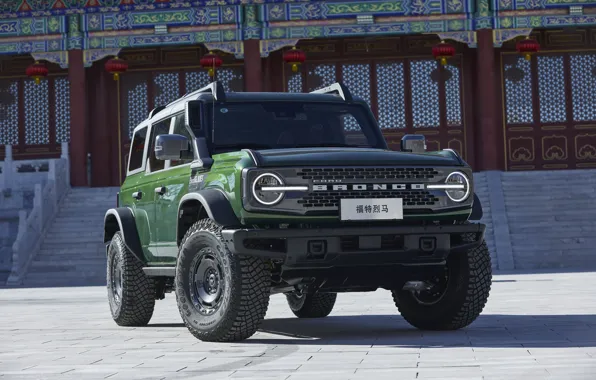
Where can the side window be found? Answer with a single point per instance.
(160, 128)
(137, 148)
(180, 129)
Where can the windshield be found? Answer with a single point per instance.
(275, 125)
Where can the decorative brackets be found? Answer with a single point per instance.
(92, 55)
(58, 57)
(236, 47)
(268, 46)
(468, 37)
(502, 35)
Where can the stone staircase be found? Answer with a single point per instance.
(73, 253)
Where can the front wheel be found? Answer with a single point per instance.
(221, 297)
(456, 299)
(316, 305)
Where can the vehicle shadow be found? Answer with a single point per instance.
(489, 330)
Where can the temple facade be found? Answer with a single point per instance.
(509, 84)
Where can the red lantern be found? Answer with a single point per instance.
(37, 71)
(211, 62)
(527, 47)
(294, 57)
(443, 51)
(116, 66)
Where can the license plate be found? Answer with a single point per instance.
(371, 209)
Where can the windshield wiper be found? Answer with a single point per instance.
(243, 146)
(331, 145)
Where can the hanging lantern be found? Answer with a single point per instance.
(443, 51)
(116, 66)
(527, 47)
(211, 62)
(294, 57)
(37, 71)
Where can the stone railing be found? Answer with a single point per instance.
(33, 225)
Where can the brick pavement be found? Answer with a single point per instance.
(537, 326)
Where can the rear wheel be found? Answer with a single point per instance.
(221, 297)
(316, 305)
(131, 294)
(455, 299)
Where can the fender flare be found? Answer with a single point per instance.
(215, 203)
(127, 226)
(477, 212)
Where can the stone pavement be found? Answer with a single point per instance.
(536, 326)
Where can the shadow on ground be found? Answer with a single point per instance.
(490, 330)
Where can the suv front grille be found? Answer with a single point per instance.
(367, 173)
(331, 198)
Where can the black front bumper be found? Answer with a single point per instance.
(350, 246)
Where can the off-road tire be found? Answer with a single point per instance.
(138, 290)
(467, 293)
(318, 305)
(245, 293)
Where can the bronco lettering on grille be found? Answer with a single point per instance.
(365, 187)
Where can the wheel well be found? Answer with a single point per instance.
(110, 227)
(190, 212)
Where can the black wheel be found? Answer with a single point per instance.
(131, 294)
(316, 305)
(457, 297)
(221, 297)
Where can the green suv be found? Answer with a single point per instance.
(232, 197)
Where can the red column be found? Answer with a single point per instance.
(101, 143)
(78, 119)
(253, 71)
(489, 134)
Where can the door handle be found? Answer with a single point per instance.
(160, 190)
(137, 195)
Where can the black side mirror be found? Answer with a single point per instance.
(413, 143)
(171, 147)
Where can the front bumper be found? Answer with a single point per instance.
(350, 246)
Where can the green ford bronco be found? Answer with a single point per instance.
(232, 197)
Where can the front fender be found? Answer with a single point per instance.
(122, 219)
(216, 205)
(477, 212)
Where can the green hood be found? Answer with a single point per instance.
(352, 156)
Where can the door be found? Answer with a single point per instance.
(174, 186)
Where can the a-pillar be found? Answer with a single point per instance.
(489, 145)
(78, 119)
(253, 70)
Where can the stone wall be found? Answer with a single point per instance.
(539, 220)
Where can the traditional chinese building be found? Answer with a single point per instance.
(516, 89)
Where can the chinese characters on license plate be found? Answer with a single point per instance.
(371, 209)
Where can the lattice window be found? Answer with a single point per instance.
(231, 78)
(62, 102)
(425, 94)
(295, 82)
(167, 88)
(196, 80)
(136, 101)
(453, 96)
(551, 89)
(518, 91)
(9, 112)
(390, 95)
(357, 78)
(583, 86)
(37, 113)
(320, 76)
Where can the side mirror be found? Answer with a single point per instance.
(413, 143)
(170, 147)
(192, 114)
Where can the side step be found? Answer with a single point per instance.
(160, 271)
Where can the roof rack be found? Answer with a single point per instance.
(336, 88)
(215, 88)
(155, 111)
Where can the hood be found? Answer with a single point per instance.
(351, 157)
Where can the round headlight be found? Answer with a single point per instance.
(267, 197)
(462, 191)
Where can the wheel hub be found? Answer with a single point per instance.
(116, 278)
(206, 287)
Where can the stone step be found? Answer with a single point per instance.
(59, 279)
(95, 238)
(70, 258)
(67, 268)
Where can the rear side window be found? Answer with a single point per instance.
(137, 148)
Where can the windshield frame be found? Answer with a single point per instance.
(368, 125)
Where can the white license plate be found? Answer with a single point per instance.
(371, 209)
